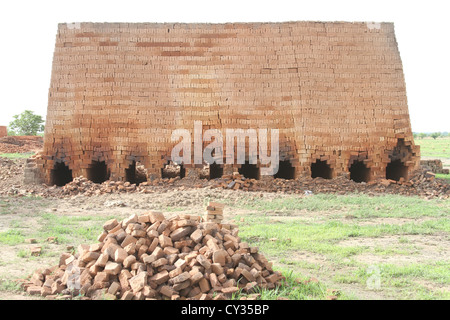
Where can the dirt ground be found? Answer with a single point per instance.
(25, 216)
(426, 248)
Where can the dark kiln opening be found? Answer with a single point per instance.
(396, 170)
(321, 169)
(359, 172)
(60, 175)
(285, 170)
(173, 170)
(98, 172)
(215, 171)
(250, 171)
(136, 173)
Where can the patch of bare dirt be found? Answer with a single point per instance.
(324, 270)
(403, 250)
(387, 220)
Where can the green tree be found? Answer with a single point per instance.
(435, 135)
(422, 135)
(27, 123)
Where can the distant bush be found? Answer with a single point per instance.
(435, 135)
(26, 124)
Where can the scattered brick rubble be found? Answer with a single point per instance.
(152, 257)
(420, 183)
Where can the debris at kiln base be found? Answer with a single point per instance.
(150, 256)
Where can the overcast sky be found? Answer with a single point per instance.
(28, 30)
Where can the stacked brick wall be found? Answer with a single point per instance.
(335, 91)
(3, 131)
(434, 165)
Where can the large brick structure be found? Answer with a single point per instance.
(335, 90)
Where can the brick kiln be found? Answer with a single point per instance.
(335, 90)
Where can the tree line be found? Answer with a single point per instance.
(434, 135)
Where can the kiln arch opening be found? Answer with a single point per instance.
(396, 170)
(359, 172)
(285, 170)
(249, 171)
(321, 169)
(60, 175)
(173, 170)
(215, 171)
(98, 172)
(136, 173)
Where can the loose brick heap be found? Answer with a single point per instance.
(335, 90)
(151, 257)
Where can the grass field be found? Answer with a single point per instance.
(16, 155)
(434, 148)
(356, 246)
(344, 239)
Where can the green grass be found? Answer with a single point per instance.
(69, 229)
(323, 238)
(443, 176)
(35, 221)
(12, 237)
(438, 148)
(294, 287)
(410, 279)
(356, 205)
(9, 285)
(280, 230)
(25, 155)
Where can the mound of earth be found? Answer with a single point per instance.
(21, 144)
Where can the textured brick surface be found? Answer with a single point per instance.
(335, 90)
(3, 131)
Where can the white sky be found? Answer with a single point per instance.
(28, 30)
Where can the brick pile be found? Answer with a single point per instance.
(236, 181)
(335, 90)
(434, 166)
(153, 257)
(214, 212)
